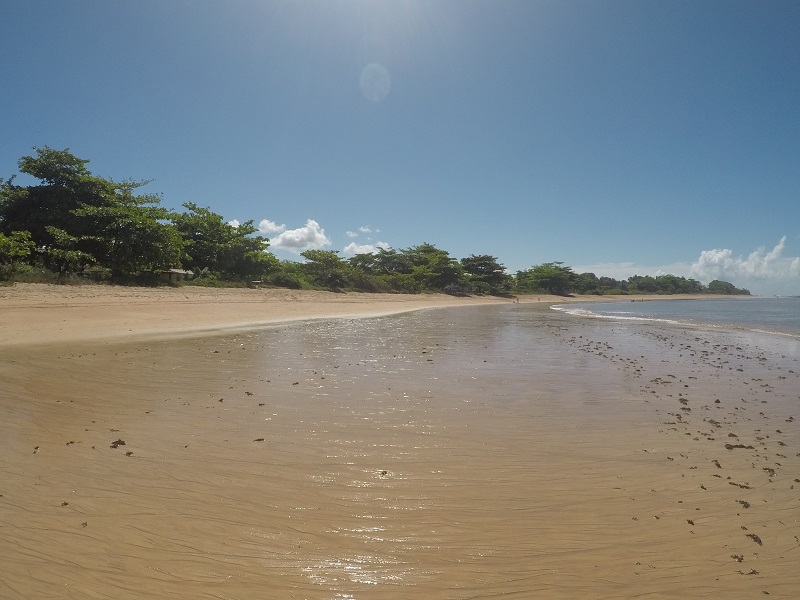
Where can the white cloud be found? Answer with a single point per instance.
(267, 226)
(234, 223)
(309, 237)
(762, 271)
(759, 264)
(352, 248)
(364, 229)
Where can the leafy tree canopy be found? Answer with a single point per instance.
(723, 287)
(133, 235)
(215, 246)
(552, 278)
(15, 247)
(56, 167)
(73, 218)
(433, 268)
(63, 252)
(326, 268)
(66, 185)
(485, 271)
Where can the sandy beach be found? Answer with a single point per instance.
(194, 443)
(42, 313)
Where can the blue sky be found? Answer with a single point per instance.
(620, 137)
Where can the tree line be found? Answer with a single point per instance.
(74, 223)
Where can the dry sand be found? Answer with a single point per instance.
(41, 313)
(402, 457)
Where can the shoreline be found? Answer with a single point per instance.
(35, 314)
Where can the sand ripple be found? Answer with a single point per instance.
(466, 453)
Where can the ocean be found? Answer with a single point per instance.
(768, 315)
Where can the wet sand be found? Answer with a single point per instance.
(468, 452)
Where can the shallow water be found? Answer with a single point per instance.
(771, 315)
(464, 453)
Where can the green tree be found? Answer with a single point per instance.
(433, 268)
(226, 251)
(674, 284)
(74, 216)
(694, 287)
(63, 252)
(365, 262)
(609, 284)
(552, 278)
(56, 167)
(66, 185)
(587, 283)
(642, 283)
(133, 234)
(415, 269)
(15, 247)
(724, 287)
(288, 274)
(385, 261)
(326, 268)
(487, 273)
(668, 284)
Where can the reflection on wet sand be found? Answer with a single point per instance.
(465, 453)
